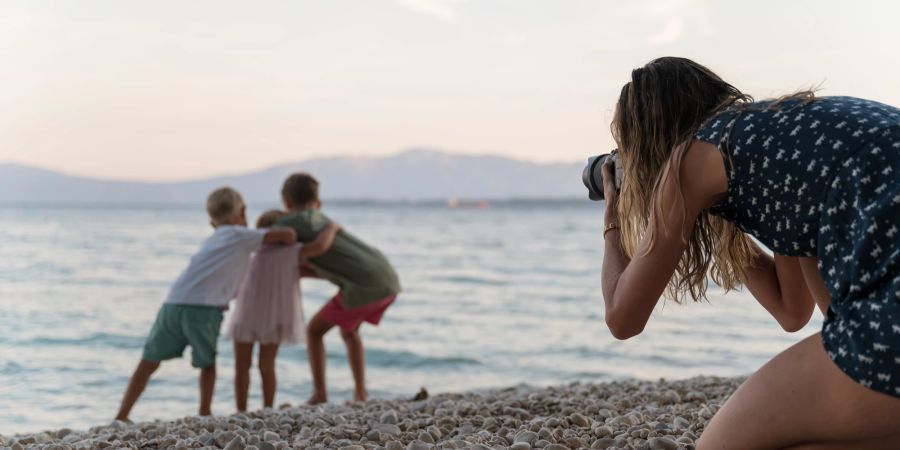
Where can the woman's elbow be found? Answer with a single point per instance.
(795, 320)
(621, 328)
(795, 323)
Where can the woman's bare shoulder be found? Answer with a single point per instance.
(703, 175)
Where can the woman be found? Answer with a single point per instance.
(817, 180)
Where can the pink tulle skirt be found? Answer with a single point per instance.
(268, 308)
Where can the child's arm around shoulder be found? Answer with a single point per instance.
(284, 236)
(322, 242)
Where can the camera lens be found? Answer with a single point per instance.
(592, 177)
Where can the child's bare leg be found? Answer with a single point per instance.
(136, 386)
(243, 357)
(315, 348)
(267, 353)
(207, 387)
(356, 356)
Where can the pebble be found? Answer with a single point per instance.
(603, 443)
(525, 436)
(426, 437)
(270, 436)
(579, 420)
(387, 428)
(556, 447)
(520, 446)
(418, 445)
(389, 417)
(695, 396)
(663, 443)
(236, 444)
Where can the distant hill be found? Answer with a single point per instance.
(413, 175)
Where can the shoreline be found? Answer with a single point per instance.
(655, 415)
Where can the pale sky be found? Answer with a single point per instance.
(163, 90)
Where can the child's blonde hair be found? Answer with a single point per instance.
(222, 204)
(268, 218)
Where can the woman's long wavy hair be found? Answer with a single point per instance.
(656, 117)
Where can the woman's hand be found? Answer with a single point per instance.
(609, 191)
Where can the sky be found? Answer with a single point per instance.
(172, 90)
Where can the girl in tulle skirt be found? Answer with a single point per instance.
(268, 309)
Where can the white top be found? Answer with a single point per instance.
(216, 270)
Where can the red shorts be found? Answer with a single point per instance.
(350, 319)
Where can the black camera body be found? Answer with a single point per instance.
(592, 176)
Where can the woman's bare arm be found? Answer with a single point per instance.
(631, 288)
(778, 285)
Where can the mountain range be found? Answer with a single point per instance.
(413, 175)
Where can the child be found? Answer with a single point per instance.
(367, 282)
(268, 308)
(192, 313)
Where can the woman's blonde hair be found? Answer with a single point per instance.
(656, 117)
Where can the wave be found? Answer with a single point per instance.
(91, 340)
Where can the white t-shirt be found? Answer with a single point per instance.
(215, 271)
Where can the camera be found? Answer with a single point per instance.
(592, 176)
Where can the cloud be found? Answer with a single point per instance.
(446, 10)
(676, 19)
(671, 31)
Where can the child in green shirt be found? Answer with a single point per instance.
(368, 284)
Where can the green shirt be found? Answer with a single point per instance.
(362, 272)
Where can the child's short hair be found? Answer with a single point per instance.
(223, 203)
(268, 218)
(301, 189)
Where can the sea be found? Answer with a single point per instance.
(495, 294)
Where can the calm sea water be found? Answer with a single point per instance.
(493, 297)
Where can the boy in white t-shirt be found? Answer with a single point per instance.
(192, 313)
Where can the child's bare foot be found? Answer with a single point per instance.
(317, 399)
(360, 396)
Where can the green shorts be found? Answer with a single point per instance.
(178, 326)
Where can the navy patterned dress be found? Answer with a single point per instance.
(822, 178)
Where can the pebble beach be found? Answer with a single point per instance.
(630, 414)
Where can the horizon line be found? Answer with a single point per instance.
(198, 178)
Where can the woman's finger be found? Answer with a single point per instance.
(608, 169)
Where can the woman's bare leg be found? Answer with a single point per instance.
(267, 354)
(801, 400)
(356, 356)
(315, 348)
(883, 443)
(243, 358)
